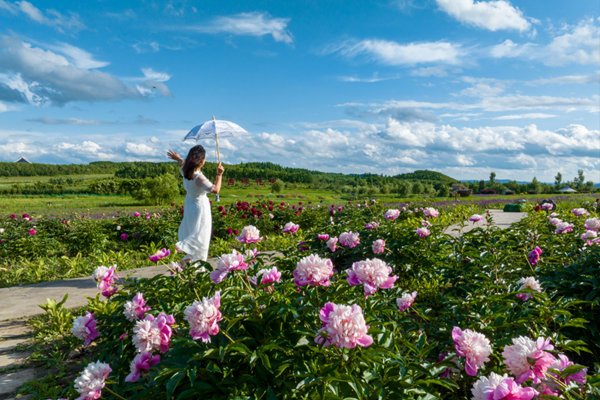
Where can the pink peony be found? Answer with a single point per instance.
(250, 234)
(32, 231)
(136, 308)
(534, 255)
(579, 211)
(372, 225)
(425, 223)
(349, 239)
(378, 246)
(592, 224)
(430, 212)
(84, 328)
(290, 227)
(554, 221)
(547, 206)
(406, 301)
(588, 235)
(124, 236)
(266, 276)
(500, 387)
(472, 345)
(564, 227)
(422, 232)
(553, 215)
(153, 333)
(105, 277)
(332, 244)
(159, 255)
(323, 236)
(475, 218)
(141, 362)
(137, 214)
(204, 317)
(227, 263)
(372, 274)
(313, 270)
(344, 326)
(528, 283)
(527, 359)
(391, 214)
(561, 363)
(92, 380)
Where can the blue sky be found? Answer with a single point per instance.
(459, 86)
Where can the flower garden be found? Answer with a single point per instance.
(360, 301)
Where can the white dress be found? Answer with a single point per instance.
(196, 226)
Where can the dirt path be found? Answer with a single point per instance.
(501, 219)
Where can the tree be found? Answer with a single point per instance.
(492, 178)
(444, 191)
(558, 181)
(481, 185)
(277, 186)
(590, 187)
(404, 188)
(157, 190)
(417, 188)
(580, 178)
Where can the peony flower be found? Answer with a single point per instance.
(372, 274)
(554, 221)
(534, 255)
(136, 307)
(588, 235)
(547, 206)
(449, 372)
(475, 218)
(430, 212)
(391, 214)
(500, 387)
(553, 215)
(372, 225)
(564, 227)
(592, 224)
(323, 236)
(527, 359)
(137, 214)
(332, 244)
(159, 255)
(290, 227)
(474, 346)
(378, 246)
(425, 223)
(579, 211)
(313, 270)
(124, 236)
(204, 317)
(118, 228)
(250, 234)
(1, 230)
(84, 328)
(32, 231)
(141, 363)
(268, 276)
(153, 333)
(92, 380)
(344, 326)
(422, 232)
(271, 216)
(105, 277)
(349, 239)
(528, 283)
(561, 363)
(406, 301)
(227, 263)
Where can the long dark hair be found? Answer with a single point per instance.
(193, 160)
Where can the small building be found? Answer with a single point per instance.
(23, 160)
(567, 190)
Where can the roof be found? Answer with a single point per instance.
(568, 189)
(23, 160)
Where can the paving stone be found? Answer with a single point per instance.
(10, 383)
(13, 328)
(12, 359)
(501, 219)
(10, 344)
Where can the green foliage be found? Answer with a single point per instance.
(158, 190)
(277, 186)
(425, 175)
(60, 318)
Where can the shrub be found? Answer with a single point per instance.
(488, 191)
(277, 186)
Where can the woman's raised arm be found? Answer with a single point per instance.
(220, 171)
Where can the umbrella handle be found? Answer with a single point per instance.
(218, 154)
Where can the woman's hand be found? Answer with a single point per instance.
(220, 170)
(173, 156)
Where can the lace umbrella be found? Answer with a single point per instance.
(215, 128)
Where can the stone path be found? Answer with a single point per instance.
(501, 219)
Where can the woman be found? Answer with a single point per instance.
(194, 231)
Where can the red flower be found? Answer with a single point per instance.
(229, 231)
(221, 208)
(32, 231)
(299, 203)
(271, 202)
(235, 231)
(25, 215)
(270, 208)
(13, 216)
(244, 216)
(172, 204)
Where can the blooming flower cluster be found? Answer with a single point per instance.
(343, 326)
(135, 308)
(392, 214)
(350, 239)
(266, 276)
(84, 328)
(528, 283)
(474, 346)
(203, 317)
(233, 261)
(141, 363)
(430, 212)
(290, 227)
(372, 274)
(422, 232)
(105, 277)
(159, 255)
(534, 255)
(250, 234)
(153, 333)
(378, 246)
(406, 301)
(92, 380)
(313, 270)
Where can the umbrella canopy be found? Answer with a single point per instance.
(215, 128)
(568, 190)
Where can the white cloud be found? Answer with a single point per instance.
(490, 15)
(439, 70)
(523, 116)
(67, 121)
(140, 149)
(569, 79)
(392, 53)
(52, 18)
(79, 57)
(248, 24)
(375, 78)
(154, 139)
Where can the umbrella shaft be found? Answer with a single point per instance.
(218, 154)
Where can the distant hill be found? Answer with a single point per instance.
(426, 175)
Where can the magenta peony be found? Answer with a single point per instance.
(406, 300)
(372, 225)
(422, 232)
(250, 234)
(475, 218)
(580, 211)
(588, 236)
(266, 276)
(592, 224)
(547, 206)
(227, 263)
(332, 244)
(500, 387)
(430, 212)
(124, 236)
(349, 239)
(105, 277)
(153, 333)
(313, 270)
(159, 255)
(92, 380)
(372, 274)
(323, 236)
(474, 346)
(560, 364)
(527, 359)
(290, 227)
(136, 307)
(84, 328)
(534, 255)
(137, 214)
(528, 283)
(32, 231)
(141, 363)
(391, 214)
(378, 246)
(204, 317)
(343, 326)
